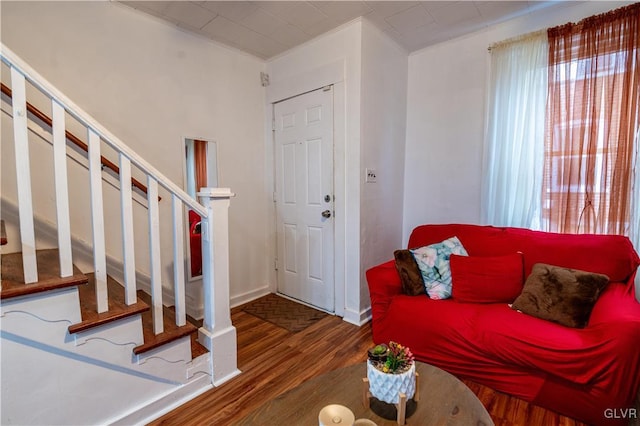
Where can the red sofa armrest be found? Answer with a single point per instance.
(384, 283)
(616, 303)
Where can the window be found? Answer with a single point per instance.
(592, 122)
(580, 172)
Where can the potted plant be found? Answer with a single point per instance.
(393, 373)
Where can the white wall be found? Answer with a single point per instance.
(446, 117)
(152, 84)
(383, 123)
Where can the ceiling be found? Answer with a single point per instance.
(268, 28)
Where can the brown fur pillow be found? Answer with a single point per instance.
(412, 283)
(561, 295)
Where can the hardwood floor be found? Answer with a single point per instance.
(273, 360)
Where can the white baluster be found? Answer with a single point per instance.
(217, 333)
(23, 175)
(154, 248)
(97, 222)
(178, 261)
(62, 188)
(128, 242)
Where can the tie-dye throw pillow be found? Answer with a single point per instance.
(433, 262)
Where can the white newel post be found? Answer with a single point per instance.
(217, 333)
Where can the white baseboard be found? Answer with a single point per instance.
(357, 318)
(243, 298)
(166, 403)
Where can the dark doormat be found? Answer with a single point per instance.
(283, 312)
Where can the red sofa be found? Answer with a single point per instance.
(591, 374)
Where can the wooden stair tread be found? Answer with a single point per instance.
(3, 233)
(152, 341)
(117, 307)
(48, 262)
(171, 330)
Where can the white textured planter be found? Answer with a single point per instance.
(387, 387)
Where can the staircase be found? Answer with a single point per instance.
(83, 347)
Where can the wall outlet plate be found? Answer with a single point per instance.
(370, 175)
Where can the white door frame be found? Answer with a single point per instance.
(331, 74)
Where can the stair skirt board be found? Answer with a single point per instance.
(95, 371)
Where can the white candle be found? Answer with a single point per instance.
(336, 415)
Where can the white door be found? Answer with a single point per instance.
(304, 197)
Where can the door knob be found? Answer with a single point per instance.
(326, 214)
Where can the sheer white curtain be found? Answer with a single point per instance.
(514, 144)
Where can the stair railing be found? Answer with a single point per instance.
(106, 163)
(217, 333)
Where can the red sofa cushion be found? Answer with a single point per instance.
(487, 279)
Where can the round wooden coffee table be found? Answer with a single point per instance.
(444, 400)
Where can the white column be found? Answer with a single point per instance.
(217, 333)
